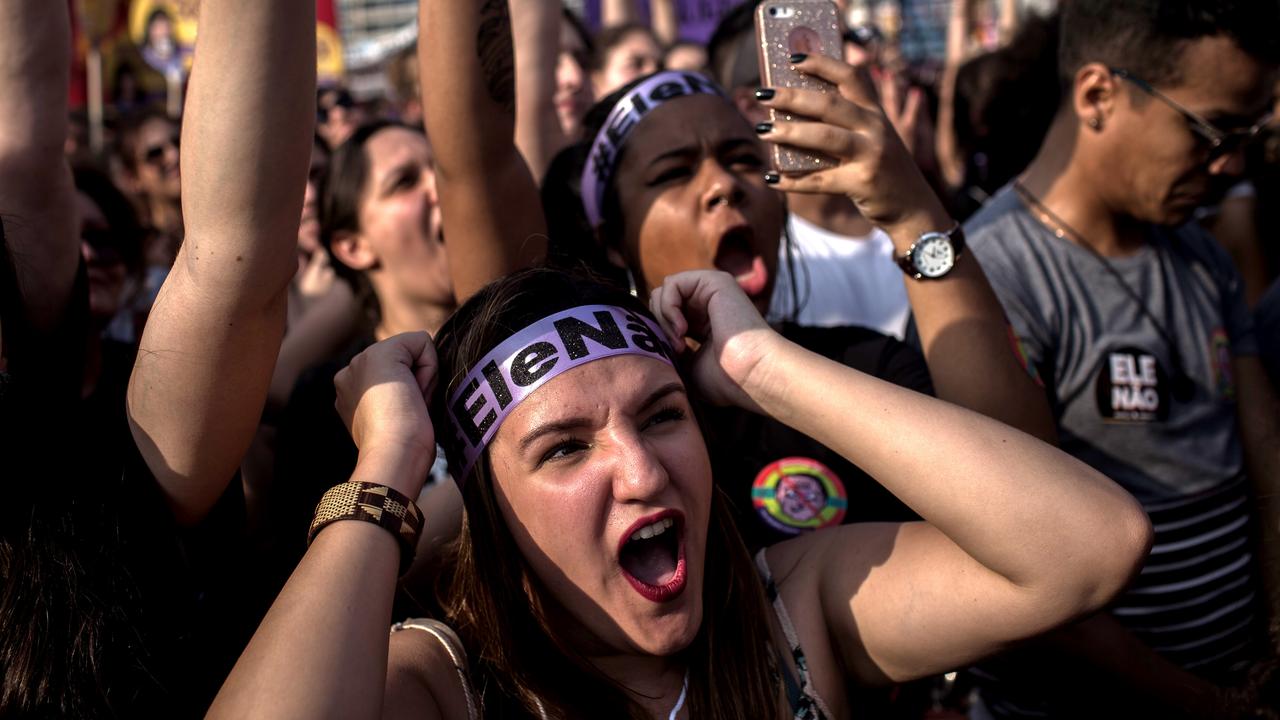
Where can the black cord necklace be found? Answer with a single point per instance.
(1182, 386)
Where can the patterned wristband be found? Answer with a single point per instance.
(378, 504)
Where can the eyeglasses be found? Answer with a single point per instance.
(154, 154)
(1220, 142)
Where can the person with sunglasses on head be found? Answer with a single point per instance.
(1135, 320)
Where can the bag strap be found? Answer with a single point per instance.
(452, 645)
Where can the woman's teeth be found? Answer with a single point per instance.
(653, 530)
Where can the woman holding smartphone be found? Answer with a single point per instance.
(682, 186)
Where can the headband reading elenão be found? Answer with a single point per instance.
(625, 116)
(522, 363)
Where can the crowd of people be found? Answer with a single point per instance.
(976, 420)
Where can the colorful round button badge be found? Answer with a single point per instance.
(797, 494)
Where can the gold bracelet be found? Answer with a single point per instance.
(381, 505)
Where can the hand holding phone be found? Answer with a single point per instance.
(785, 28)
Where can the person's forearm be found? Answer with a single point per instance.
(1259, 421)
(966, 340)
(247, 146)
(322, 329)
(211, 340)
(36, 192)
(490, 202)
(958, 32)
(321, 651)
(618, 12)
(665, 21)
(1106, 647)
(535, 26)
(1008, 22)
(1007, 499)
(950, 162)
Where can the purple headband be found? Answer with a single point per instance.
(522, 363)
(625, 116)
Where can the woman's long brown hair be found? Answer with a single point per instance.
(493, 598)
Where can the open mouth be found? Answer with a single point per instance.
(737, 256)
(652, 556)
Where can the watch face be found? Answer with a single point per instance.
(934, 256)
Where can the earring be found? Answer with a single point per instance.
(631, 283)
(1095, 122)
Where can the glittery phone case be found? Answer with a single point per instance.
(784, 27)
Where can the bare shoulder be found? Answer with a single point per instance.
(422, 679)
(818, 575)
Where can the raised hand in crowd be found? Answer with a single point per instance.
(207, 354)
(662, 13)
(958, 316)
(485, 187)
(37, 209)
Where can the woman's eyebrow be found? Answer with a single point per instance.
(577, 423)
(662, 392)
(558, 426)
(684, 151)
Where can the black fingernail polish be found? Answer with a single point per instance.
(798, 57)
(764, 128)
(764, 94)
(772, 178)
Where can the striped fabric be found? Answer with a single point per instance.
(1196, 601)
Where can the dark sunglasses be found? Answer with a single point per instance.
(154, 154)
(1221, 143)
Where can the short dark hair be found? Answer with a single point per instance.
(1147, 37)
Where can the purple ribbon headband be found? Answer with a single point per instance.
(623, 119)
(524, 362)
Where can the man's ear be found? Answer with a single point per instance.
(1094, 95)
(351, 249)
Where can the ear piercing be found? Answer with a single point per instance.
(1095, 122)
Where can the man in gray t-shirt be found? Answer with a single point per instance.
(1135, 323)
(1104, 357)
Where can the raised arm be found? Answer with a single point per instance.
(662, 14)
(950, 161)
(37, 201)
(1020, 537)
(1258, 413)
(665, 21)
(535, 27)
(492, 212)
(962, 326)
(346, 581)
(206, 357)
(618, 12)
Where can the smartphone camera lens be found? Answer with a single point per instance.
(773, 12)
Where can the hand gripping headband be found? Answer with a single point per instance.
(522, 363)
(623, 119)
